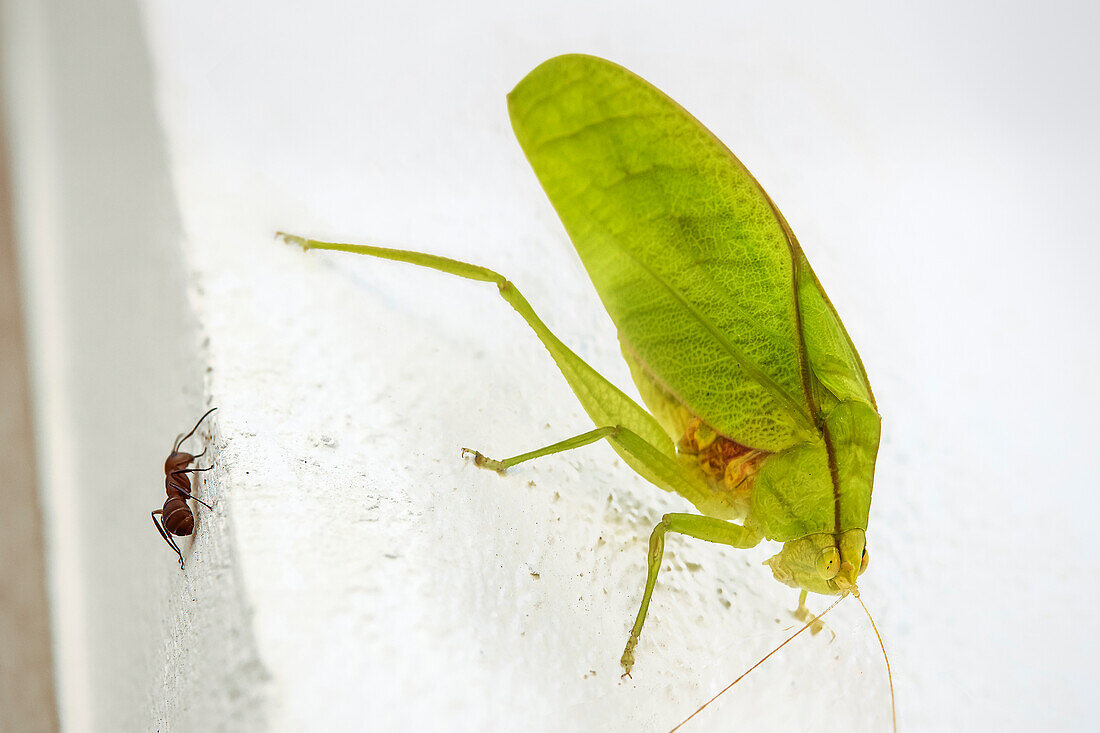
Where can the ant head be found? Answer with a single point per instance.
(177, 461)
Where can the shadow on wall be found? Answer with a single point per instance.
(27, 701)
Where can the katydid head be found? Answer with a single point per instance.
(822, 563)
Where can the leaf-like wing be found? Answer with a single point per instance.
(830, 352)
(687, 252)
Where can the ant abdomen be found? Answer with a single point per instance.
(178, 517)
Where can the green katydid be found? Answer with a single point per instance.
(760, 410)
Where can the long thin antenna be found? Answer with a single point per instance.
(179, 441)
(889, 674)
(746, 672)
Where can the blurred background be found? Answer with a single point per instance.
(937, 161)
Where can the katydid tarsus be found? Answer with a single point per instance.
(760, 411)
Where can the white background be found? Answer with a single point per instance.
(938, 165)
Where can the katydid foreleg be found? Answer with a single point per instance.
(803, 614)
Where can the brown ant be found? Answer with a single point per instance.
(176, 516)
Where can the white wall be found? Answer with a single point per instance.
(936, 164)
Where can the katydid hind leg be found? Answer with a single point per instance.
(639, 439)
(605, 403)
(708, 529)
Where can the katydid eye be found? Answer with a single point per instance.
(863, 563)
(828, 563)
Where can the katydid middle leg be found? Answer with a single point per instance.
(483, 461)
(692, 525)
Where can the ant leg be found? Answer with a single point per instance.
(192, 496)
(180, 440)
(164, 533)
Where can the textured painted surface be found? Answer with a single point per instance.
(897, 156)
(385, 580)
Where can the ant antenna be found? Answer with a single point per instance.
(889, 674)
(179, 441)
(766, 656)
